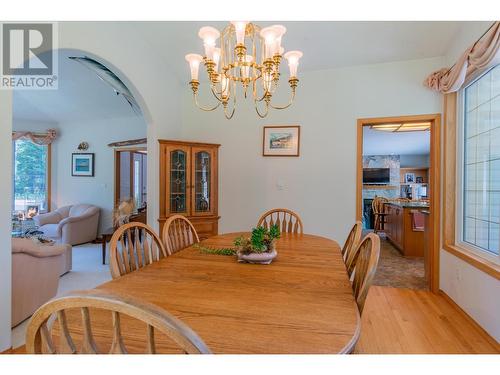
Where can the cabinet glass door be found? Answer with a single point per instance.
(202, 179)
(178, 181)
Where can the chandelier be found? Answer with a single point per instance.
(248, 57)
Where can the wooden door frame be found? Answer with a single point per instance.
(434, 182)
(117, 170)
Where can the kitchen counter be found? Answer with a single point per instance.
(404, 226)
(413, 204)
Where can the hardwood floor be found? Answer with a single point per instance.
(406, 321)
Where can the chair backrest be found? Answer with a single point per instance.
(287, 220)
(365, 265)
(350, 245)
(378, 204)
(133, 246)
(178, 233)
(39, 339)
(80, 209)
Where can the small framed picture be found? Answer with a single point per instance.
(82, 165)
(281, 141)
(419, 179)
(32, 211)
(409, 177)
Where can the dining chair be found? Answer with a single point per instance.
(350, 245)
(287, 220)
(365, 261)
(133, 246)
(39, 337)
(378, 208)
(178, 233)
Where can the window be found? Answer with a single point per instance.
(480, 219)
(30, 176)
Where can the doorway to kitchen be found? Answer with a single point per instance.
(398, 196)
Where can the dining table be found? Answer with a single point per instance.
(300, 303)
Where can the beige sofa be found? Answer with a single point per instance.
(35, 275)
(72, 225)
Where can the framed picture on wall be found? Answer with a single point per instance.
(82, 164)
(409, 178)
(281, 140)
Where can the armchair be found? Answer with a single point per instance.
(70, 224)
(35, 275)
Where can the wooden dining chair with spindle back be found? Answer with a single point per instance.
(39, 337)
(378, 208)
(365, 260)
(178, 233)
(350, 245)
(287, 220)
(133, 246)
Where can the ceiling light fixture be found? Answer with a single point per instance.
(404, 127)
(247, 55)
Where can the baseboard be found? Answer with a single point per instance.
(488, 337)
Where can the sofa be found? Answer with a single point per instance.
(71, 225)
(35, 275)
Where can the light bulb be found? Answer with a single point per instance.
(240, 28)
(245, 71)
(280, 30)
(293, 61)
(209, 35)
(270, 41)
(194, 61)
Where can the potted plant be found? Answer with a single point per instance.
(259, 247)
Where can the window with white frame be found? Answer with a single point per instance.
(481, 164)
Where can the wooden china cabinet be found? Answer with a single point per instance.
(189, 184)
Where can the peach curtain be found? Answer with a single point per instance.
(480, 55)
(39, 139)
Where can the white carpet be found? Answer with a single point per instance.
(87, 273)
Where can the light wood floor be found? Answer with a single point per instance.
(414, 321)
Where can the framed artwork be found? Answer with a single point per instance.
(281, 140)
(419, 179)
(32, 211)
(82, 165)
(409, 177)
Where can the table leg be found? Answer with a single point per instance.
(104, 250)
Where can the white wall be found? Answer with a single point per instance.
(5, 223)
(415, 161)
(98, 190)
(320, 184)
(473, 290)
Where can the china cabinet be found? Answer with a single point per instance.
(189, 184)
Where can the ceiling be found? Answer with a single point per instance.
(81, 95)
(376, 142)
(325, 44)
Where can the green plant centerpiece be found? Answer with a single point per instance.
(259, 248)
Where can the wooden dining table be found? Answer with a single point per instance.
(300, 303)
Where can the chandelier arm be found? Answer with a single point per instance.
(257, 110)
(215, 93)
(289, 103)
(229, 117)
(206, 109)
(255, 99)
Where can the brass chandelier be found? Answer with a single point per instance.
(248, 57)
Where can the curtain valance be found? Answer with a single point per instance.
(480, 55)
(37, 138)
